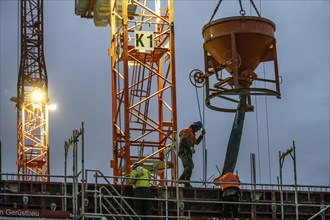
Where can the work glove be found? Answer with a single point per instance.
(192, 149)
(139, 171)
(216, 181)
(203, 132)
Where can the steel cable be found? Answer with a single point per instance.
(202, 119)
(215, 10)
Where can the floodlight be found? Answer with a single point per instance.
(52, 106)
(37, 96)
(14, 99)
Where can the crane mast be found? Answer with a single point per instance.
(32, 96)
(144, 118)
(143, 86)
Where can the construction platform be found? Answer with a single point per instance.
(56, 200)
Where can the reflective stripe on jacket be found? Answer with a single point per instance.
(142, 173)
(189, 135)
(229, 180)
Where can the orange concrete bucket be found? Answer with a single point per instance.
(249, 37)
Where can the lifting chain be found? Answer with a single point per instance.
(242, 11)
(215, 10)
(255, 8)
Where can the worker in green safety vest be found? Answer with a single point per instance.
(141, 189)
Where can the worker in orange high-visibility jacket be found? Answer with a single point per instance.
(187, 149)
(230, 188)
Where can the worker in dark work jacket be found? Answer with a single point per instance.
(187, 149)
(141, 189)
(230, 188)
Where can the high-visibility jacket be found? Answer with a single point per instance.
(142, 173)
(189, 135)
(229, 180)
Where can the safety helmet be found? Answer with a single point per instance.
(136, 165)
(198, 125)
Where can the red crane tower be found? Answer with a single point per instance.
(144, 120)
(32, 96)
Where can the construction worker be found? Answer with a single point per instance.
(187, 149)
(141, 189)
(230, 188)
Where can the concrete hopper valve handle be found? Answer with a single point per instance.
(197, 78)
(231, 60)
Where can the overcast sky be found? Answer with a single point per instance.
(79, 82)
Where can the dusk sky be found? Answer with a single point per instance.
(80, 84)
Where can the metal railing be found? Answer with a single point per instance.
(120, 208)
(105, 195)
(15, 193)
(111, 203)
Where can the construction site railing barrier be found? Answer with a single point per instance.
(97, 197)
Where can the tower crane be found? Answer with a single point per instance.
(144, 119)
(32, 96)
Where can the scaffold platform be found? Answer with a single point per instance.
(56, 200)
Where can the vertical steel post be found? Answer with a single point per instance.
(292, 153)
(112, 52)
(173, 86)
(82, 171)
(176, 181)
(74, 173)
(253, 181)
(126, 89)
(281, 186)
(95, 194)
(65, 175)
(166, 187)
(295, 179)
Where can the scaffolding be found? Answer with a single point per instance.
(89, 194)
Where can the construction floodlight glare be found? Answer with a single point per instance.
(37, 96)
(52, 107)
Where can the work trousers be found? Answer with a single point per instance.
(142, 206)
(231, 210)
(188, 165)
